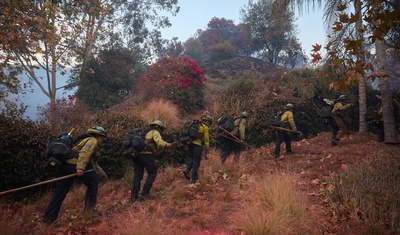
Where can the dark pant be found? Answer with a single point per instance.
(342, 129)
(381, 131)
(230, 146)
(283, 136)
(195, 152)
(335, 128)
(90, 179)
(141, 162)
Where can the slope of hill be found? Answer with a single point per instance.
(240, 67)
(216, 204)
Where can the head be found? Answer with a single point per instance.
(158, 125)
(206, 119)
(342, 98)
(289, 106)
(244, 114)
(98, 132)
(379, 98)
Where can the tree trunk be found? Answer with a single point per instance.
(386, 94)
(362, 84)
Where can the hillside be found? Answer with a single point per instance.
(216, 204)
(240, 67)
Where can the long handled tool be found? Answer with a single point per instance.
(42, 183)
(234, 138)
(285, 129)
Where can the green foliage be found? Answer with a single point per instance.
(271, 33)
(178, 80)
(194, 50)
(22, 149)
(110, 77)
(221, 50)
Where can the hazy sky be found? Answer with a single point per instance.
(195, 15)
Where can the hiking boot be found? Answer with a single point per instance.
(186, 174)
(334, 142)
(276, 155)
(289, 152)
(147, 197)
(97, 212)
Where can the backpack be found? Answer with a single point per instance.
(326, 112)
(275, 119)
(133, 143)
(190, 131)
(226, 122)
(60, 150)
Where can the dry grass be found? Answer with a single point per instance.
(162, 110)
(256, 196)
(276, 207)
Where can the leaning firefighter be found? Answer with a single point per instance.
(88, 171)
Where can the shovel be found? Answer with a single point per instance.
(285, 129)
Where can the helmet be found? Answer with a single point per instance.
(207, 117)
(158, 123)
(244, 114)
(289, 106)
(97, 130)
(342, 97)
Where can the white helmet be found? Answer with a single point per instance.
(289, 105)
(342, 97)
(158, 123)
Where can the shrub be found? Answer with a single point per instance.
(178, 80)
(22, 149)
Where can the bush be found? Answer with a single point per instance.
(178, 80)
(22, 153)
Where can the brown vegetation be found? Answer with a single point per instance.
(294, 195)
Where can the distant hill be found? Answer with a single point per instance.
(240, 67)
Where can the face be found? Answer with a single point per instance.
(100, 139)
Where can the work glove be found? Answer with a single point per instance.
(79, 172)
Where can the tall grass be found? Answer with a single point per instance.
(276, 207)
(162, 110)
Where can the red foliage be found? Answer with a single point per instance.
(176, 79)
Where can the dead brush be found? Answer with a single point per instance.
(369, 192)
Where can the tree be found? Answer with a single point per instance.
(222, 38)
(381, 18)
(110, 77)
(174, 48)
(194, 50)
(54, 35)
(271, 32)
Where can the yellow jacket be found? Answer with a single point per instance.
(86, 148)
(203, 130)
(240, 128)
(154, 140)
(339, 108)
(287, 119)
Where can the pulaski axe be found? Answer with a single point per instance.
(285, 129)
